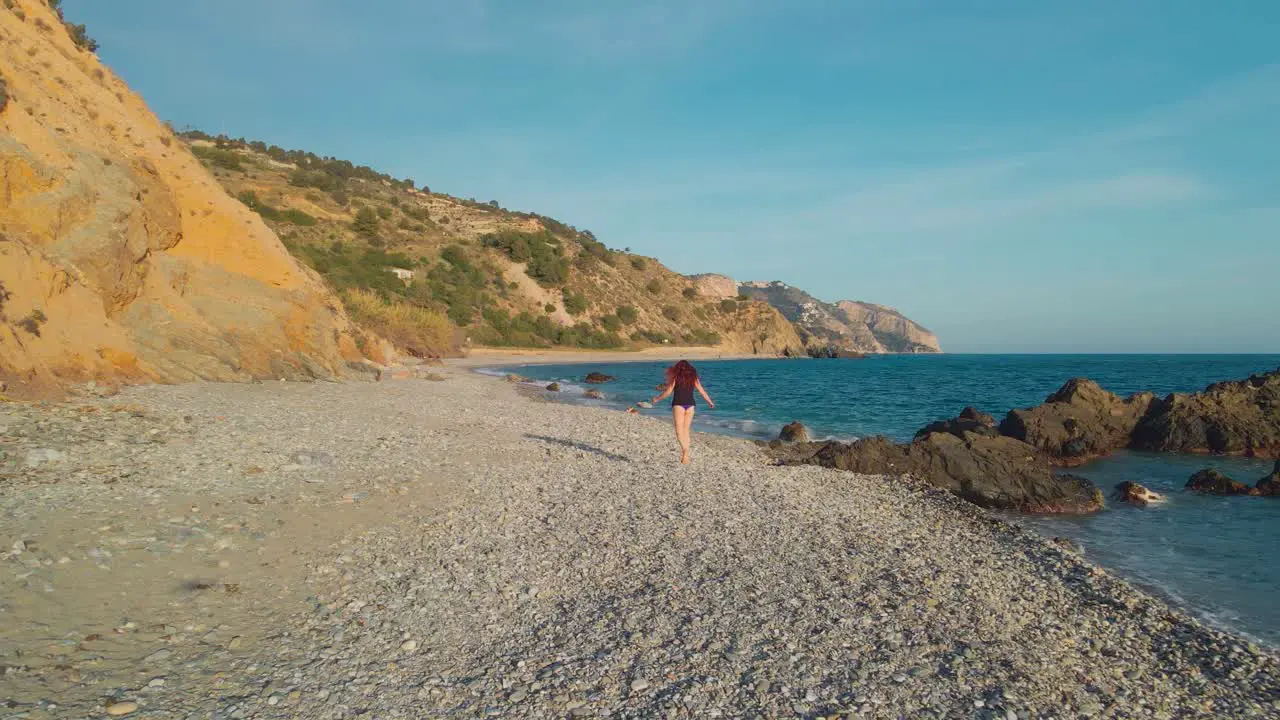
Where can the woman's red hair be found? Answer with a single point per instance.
(682, 373)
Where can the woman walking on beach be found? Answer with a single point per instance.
(682, 380)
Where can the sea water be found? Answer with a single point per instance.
(1214, 556)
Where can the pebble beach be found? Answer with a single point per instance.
(458, 546)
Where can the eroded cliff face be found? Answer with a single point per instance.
(759, 329)
(120, 257)
(716, 287)
(847, 326)
(893, 330)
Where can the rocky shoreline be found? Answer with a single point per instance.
(412, 548)
(1012, 465)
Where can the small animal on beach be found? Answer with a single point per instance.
(681, 380)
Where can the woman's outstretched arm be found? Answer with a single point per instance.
(710, 403)
(669, 389)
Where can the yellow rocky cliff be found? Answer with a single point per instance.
(120, 256)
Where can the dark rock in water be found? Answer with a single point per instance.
(1212, 482)
(1135, 494)
(794, 431)
(596, 378)
(1270, 485)
(993, 472)
(1241, 417)
(1079, 422)
(1067, 544)
(593, 394)
(554, 387)
(834, 352)
(970, 420)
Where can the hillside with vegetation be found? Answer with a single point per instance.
(434, 273)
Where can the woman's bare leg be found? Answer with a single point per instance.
(688, 439)
(682, 436)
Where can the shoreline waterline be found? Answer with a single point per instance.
(1124, 539)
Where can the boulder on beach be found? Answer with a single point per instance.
(1270, 485)
(970, 420)
(1079, 422)
(514, 378)
(993, 472)
(593, 395)
(1135, 494)
(1212, 482)
(596, 378)
(1240, 417)
(554, 387)
(794, 431)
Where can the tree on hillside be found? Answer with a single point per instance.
(366, 222)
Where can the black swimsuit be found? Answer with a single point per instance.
(683, 396)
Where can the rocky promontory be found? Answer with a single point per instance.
(837, 329)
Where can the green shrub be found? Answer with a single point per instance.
(654, 286)
(225, 159)
(80, 36)
(351, 268)
(627, 314)
(728, 306)
(317, 179)
(366, 222)
(689, 293)
(638, 263)
(384, 212)
(549, 307)
(297, 217)
(743, 298)
(702, 336)
(671, 313)
(340, 196)
(544, 260)
(575, 303)
(611, 323)
(652, 336)
(420, 331)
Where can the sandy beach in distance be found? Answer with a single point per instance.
(481, 357)
(413, 548)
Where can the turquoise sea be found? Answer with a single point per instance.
(1213, 556)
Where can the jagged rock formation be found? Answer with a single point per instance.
(1135, 494)
(1079, 422)
(1239, 417)
(1270, 485)
(1213, 482)
(993, 472)
(827, 328)
(893, 330)
(120, 256)
(970, 420)
(716, 287)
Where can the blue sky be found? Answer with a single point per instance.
(1018, 176)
